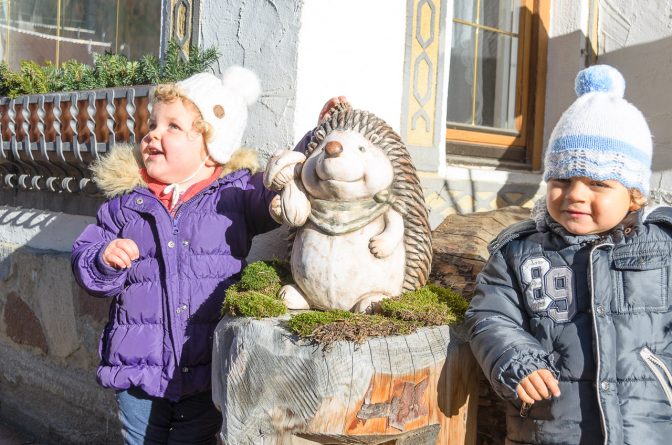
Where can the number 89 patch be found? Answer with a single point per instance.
(548, 290)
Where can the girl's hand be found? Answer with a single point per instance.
(539, 385)
(120, 253)
(331, 103)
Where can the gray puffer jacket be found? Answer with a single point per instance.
(594, 310)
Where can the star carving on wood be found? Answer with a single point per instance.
(406, 404)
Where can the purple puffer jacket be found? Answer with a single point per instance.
(165, 308)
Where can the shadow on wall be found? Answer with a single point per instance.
(646, 68)
(38, 230)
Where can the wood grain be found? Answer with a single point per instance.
(271, 386)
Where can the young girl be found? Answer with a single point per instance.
(173, 235)
(571, 317)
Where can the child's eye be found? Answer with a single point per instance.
(600, 184)
(173, 126)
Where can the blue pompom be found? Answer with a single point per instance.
(600, 78)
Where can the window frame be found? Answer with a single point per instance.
(484, 144)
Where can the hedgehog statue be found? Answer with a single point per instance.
(358, 222)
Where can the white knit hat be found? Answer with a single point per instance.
(601, 135)
(223, 104)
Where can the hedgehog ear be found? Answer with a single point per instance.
(375, 138)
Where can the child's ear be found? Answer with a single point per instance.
(637, 200)
(210, 162)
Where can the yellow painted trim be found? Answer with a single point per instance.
(9, 14)
(425, 127)
(543, 11)
(58, 32)
(475, 79)
(116, 31)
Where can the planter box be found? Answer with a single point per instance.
(47, 141)
(418, 389)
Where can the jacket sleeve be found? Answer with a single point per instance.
(497, 326)
(90, 271)
(257, 200)
(259, 197)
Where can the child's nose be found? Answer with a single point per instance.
(576, 191)
(152, 134)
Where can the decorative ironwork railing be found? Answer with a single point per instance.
(47, 141)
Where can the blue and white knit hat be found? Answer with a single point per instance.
(601, 135)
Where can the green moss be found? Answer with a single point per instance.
(421, 306)
(265, 276)
(328, 327)
(456, 302)
(250, 303)
(256, 295)
(430, 305)
(305, 323)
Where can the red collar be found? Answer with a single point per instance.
(156, 187)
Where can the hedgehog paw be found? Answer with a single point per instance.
(369, 304)
(293, 297)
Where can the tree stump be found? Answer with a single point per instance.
(460, 245)
(413, 389)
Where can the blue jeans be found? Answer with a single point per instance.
(147, 420)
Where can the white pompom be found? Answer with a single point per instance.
(243, 81)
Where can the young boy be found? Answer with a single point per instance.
(571, 317)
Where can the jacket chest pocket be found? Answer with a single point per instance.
(642, 282)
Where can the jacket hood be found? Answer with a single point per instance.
(118, 172)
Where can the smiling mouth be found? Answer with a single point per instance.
(575, 213)
(152, 151)
(321, 176)
(339, 181)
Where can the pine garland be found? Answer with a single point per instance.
(108, 70)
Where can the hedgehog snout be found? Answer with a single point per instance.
(333, 149)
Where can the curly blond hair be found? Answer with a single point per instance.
(169, 93)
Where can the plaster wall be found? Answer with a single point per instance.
(353, 48)
(261, 35)
(636, 37)
(566, 39)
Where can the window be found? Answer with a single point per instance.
(59, 30)
(497, 80)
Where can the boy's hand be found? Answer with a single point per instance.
(331, 103)
(539, 385)
(120, 253)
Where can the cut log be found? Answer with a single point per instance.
(413, 389)
(460, 245)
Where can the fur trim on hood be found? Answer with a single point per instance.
(119, 171)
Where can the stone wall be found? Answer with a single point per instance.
(48, 343)
(49, 330)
